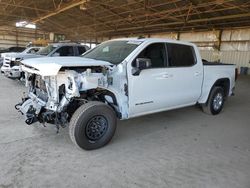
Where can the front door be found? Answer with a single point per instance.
(147, 89)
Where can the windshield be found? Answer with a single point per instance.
(28, 50)
(46, 50)
(113, 51)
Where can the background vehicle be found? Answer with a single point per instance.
(11, 67)
(122, 79)
(9, 58)
(13, 49)
(10, 50)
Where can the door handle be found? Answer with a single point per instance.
(167, 75)
(197, 73)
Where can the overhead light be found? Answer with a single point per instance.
(83, 7)
(26, 24)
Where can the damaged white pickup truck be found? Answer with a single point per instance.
(121, 79)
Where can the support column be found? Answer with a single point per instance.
(16, 37)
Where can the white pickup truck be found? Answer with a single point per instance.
(122, 79)
(11, 66)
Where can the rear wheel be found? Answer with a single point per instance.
(92, 125)
(215, 101)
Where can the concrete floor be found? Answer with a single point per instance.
(180, 148)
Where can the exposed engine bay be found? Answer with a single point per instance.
(53, 99)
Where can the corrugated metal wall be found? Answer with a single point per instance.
(12, 36)
(240, 58)
(227, 46)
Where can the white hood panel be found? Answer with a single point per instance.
(50, 66)
(26, 56)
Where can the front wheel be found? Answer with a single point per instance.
(92, 125)
(215, 101)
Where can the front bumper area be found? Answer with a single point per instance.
(33, 108)
(5, 69)
(1, 61)
(11, 72)
(14, 72)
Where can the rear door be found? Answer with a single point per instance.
(184, 76)
(81, 50)
(65, 51)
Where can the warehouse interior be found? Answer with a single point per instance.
(220, 28)
(177, 148)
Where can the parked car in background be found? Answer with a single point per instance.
(123, 78)
(12, 69)
(11, 57)
(4, 52)
(13, 49)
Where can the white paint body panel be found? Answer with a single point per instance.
(164, 88)
(212, 73)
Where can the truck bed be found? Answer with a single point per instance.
(212, 72)
(214, 63)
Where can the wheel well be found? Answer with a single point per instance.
(107, 93)
(224, 83)
(113, 103)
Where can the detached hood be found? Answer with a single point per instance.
(50, 66)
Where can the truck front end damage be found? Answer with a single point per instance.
(41, 103)
(53, 99)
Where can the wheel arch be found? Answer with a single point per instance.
(224, 83)
(114, 102)
(207, 88)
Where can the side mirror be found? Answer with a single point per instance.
(140, 64)
(56, 54)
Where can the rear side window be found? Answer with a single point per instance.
(66, 51)
(180, 55)
(81, 50)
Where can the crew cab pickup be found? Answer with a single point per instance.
(11, 66)
(8, 51)
(122, 78)
(10, 58)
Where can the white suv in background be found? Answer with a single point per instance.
(12, 68)
(7, 58)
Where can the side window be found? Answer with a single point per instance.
(33, 50)
(180, 55)
(156, 53)
(65, 51)
(81, 50)
(36, 50)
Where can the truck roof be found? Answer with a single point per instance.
(65, 44)
(154, 40)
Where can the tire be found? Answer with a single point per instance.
(92, 125)
(215, 101)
